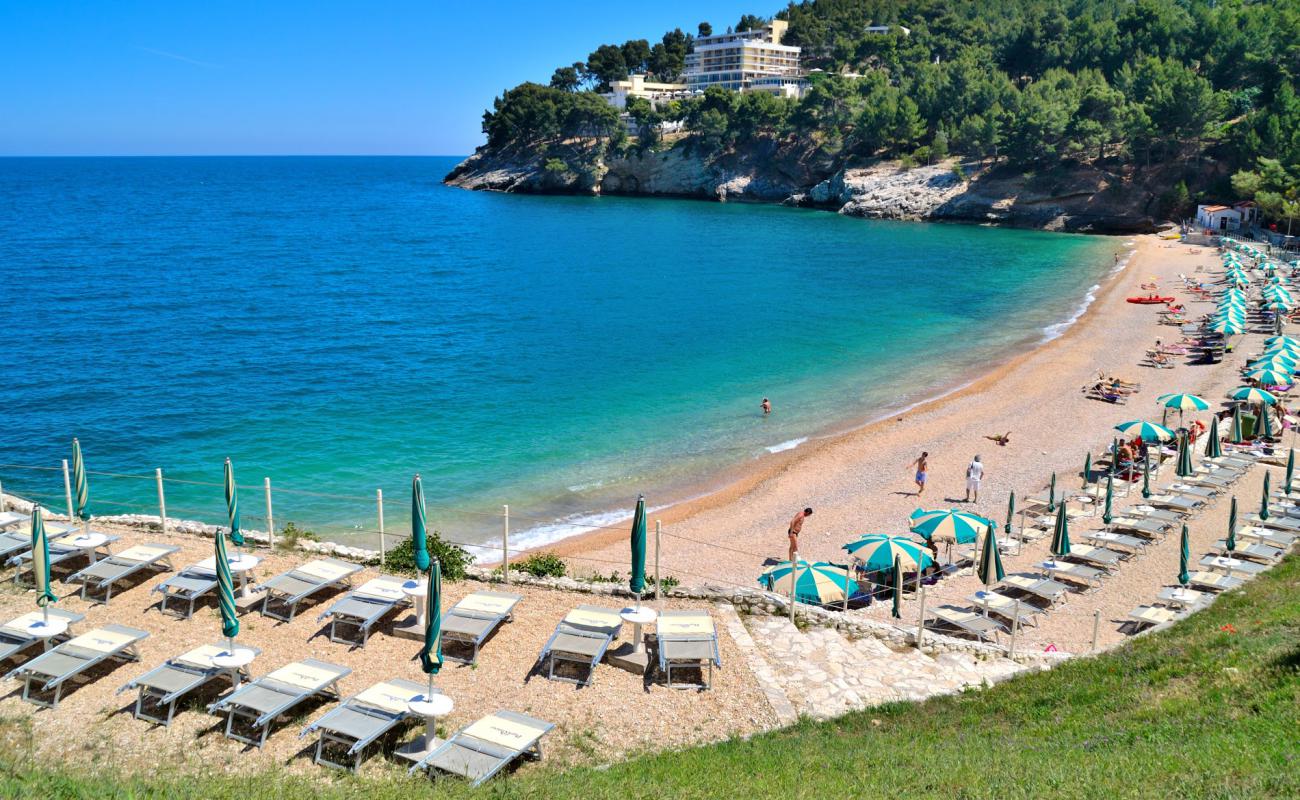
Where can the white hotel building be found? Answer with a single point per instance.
(752, 60)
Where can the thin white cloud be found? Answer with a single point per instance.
(176, 57)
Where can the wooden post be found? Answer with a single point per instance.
(379, 504)
(1096, 626)
(505, 544)
(659, 575)
(270, 518)
(162, 499)
(67, 489)
(920, 621)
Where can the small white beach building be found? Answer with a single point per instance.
(1218, 218)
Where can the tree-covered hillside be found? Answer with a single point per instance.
(1129, 84)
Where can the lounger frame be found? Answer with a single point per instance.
(91, 579)
(701, 653)
(282, 593)
(485, 623)
(503, 756)
(168, 698)
(356, 745)
(260, 719)
(30, 672)
(189, 586)
(600, 640)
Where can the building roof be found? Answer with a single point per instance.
(1214, 208)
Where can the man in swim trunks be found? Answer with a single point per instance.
(766, 405)
(796, 526)
(920, 465)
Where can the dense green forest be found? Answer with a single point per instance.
(1034, 84)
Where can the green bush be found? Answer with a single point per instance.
(454, 559)
(290, 535)
(541, 565)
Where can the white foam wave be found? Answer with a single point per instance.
(787, 445)
(1056, 329)
(551, 532)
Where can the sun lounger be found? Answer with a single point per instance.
(1005, 607)
(1110, 539)
(273, 694)
(1158, 514)
(1096, 556)
(15, 638)
(186, 587)
(978, 625)
(1215, 581)
(1154, 528)
(364, 606)
(1231, 566)
(1279, 539)
(54, 670)
(687, 640)
(1178, 501)
(287, 590)
(471, 621)
(103, 574)
(8, 518)
(1184, 598)
(1206, 492)
(1145, 616)
(483, 748)
(581, 638)
(1278, 521)
(163, 686)
(1254, 551)
(1089, 577)
(1048, 590)
(67, 547)
(362, 719)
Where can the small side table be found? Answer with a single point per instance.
(639, 617)
(46, 630)
(233, 662)
(89, 542)
(241, 565)
(417, 590)
(432, 708)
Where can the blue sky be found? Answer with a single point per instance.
(281, 77)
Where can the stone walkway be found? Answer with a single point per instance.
(823, 674)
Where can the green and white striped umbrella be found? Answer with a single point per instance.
(1281, 350)
(1290, 470)
(1277, 363)
(225, 590)
(1277, 304)
(1265, 424)
(1212, 447)
(989, 569)
(877, 552)
(1011, 513)
(959, 526)
(896, 575)
(1087, 469)
(431, 652)
(41, 560)
(80, 487)
(1237, 435)
(1107, 513)
(1146, 475)
(1184, 554)
(1147, 431)
(1183, 402)
(818, 582)
(1051, 494)
(232, 506)
(1289, 341)
(1184, 467)
(1250, 394)
(1263, 498)
(1270, 377)
(1061, 533)
(419, 525)
(636, 581)
(1227, 326)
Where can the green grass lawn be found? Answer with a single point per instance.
(1208, 709)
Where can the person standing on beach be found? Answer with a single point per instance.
(796, 526)
(921, 466)
(974, 474)
(766, 405)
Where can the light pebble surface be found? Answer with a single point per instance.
(618, 715)
(862, 482)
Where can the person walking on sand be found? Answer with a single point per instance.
(796, 526)
(974, 474)
(921, 467)
(766, 405)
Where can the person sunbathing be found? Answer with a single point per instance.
(1159, 359)
(1002, 439)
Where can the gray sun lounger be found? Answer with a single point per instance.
(1095, 556)
(1206, 492)
(64, 548)
(581, 638)
(362, 719)
(1042, 588)
(1148, 616)
(687, 640)
(163, 686)
(1151, 527)
(1252, 550)
(1134, 544)
(262, 701)
(103, 574)
(186, 587)
(285, 591)
(1005, 607)
(1279, 539)
(471, 621)
(968, 621)
(8, 518)
(363, 607)
(15, 638)
(1215, 581)
(1080, 574)
(1234, 566)
(1280, 522)
(1178, 501)
(54, 670)
(483, 748)
(1172, 517)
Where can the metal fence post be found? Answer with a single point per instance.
(270, 518)
(1096, 625)
(920, 621)
(505, 543)
(379, 503)
(162, 499)
(67, 489)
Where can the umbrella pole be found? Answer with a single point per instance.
(230, 644)
(67, 488)
(429, 695)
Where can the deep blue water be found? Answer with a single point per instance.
(338, 324)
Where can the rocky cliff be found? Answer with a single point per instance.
(1080, 198)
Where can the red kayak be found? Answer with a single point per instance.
(1150, 301)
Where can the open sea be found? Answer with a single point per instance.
(338, 324)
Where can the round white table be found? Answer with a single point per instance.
(432, 708)
(417, 590)
(233, 661)
(90, 542)
(241, 564)
(46, 630)
(639, 616)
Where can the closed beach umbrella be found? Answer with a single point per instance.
(1184, 553)
(1147, 431)
(1184, 469)
(79, 484)
(636, 581)
(1290, 470)
(877, 552)
(225, 590)
(1146, 475)
(41, 561)
(1263, 500)
(1011, 506)
(431, 653)
(1106, 513)
(959, 526)
(817, 582)
(1051, 495)
(1236, 424)
(1250, 394)
(419, 524)
(1087, 469)
(1266, 423)
(896, 608)
(1061, 534)
(989, 568)
(1184, 402)
(1212, 447)
(232, 506)
(1232, 523)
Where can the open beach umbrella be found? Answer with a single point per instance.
(79, 485)
(419, 524)
(959, 526)
(431, 652)
(41, 562)
(1263, 500)
(1250, 394)
(225, 590)
(1183, 402)
(1051, 495)
(232, 505)
(1106, 513)
(1146, 475)
(1147, 431)
(1227, 326)
(1061, 534)
(877, 552)
(989, 569)
(1212, 447)
(636, 581)
(896, 608)
(1184, 468)
(1290, 470)
(818, 582)
(1011, 506)
(1269, 377)
(1184, 552)
(1087, 469)
(1278, 363)
(1289, 341)
(1236, 434)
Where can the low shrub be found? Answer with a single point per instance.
(453, 558)
(541, 565)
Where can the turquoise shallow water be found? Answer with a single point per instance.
(340, 323)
